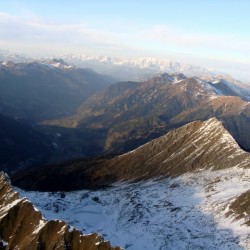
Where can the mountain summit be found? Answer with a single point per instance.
(195, 146)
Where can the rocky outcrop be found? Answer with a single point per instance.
(23, 227)
(240, 208)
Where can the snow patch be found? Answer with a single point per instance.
(188, 212)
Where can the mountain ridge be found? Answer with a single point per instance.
(132, 113)
(42, 90)
(192, 147)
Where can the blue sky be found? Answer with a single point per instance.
(210, 33)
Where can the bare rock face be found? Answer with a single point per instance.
(240, 207)
(23, 227)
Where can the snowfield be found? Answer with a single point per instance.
(188, 212)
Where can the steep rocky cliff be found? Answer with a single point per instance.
(23, 227)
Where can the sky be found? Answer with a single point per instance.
(209, 33)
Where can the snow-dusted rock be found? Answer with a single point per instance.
(23, 227)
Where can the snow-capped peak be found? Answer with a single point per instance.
(59, 63)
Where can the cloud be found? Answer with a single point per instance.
(51, 36)
(183, 38)
(59, 36)
(33, 35)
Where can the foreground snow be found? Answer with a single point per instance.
(187, 212)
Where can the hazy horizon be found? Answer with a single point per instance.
(209, 34)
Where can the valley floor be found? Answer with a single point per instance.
(188, 212)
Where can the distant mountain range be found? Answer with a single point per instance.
(6, 56)
(128, 114)
(42, 90)
(137, 69)
(141, 69)
(129, 69)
